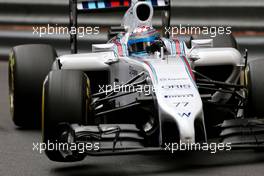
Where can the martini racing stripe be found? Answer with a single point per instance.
(152, 69)
(174, 46)
(188, 67)
(178, 50)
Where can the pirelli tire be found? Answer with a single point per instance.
(255, 84)
(66, 99)
(28, 67)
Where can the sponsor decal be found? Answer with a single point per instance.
(185, 114)
(172, 79)
(181, 104)
(176, 86)
(179, 96)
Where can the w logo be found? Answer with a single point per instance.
(185, 114)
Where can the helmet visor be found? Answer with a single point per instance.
(138, 47)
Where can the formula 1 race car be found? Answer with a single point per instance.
(138, 92)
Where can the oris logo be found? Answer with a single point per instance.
(176, 86)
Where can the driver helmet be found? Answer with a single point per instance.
(140, 39)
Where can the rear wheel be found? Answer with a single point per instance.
(66, 99)
(28, 67)
(255, 83)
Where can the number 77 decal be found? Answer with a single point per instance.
(181, 104)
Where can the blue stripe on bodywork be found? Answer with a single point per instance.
(182, 48)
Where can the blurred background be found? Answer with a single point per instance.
(17, 18)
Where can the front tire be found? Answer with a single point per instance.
(66, 99)
(28, 67)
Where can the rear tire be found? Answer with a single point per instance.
(255, 83)
(66, 99)
(28, 67)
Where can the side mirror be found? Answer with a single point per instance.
(200, 43)
(102, 47)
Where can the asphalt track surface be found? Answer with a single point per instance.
(17, 157)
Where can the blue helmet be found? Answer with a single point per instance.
(141, 38)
